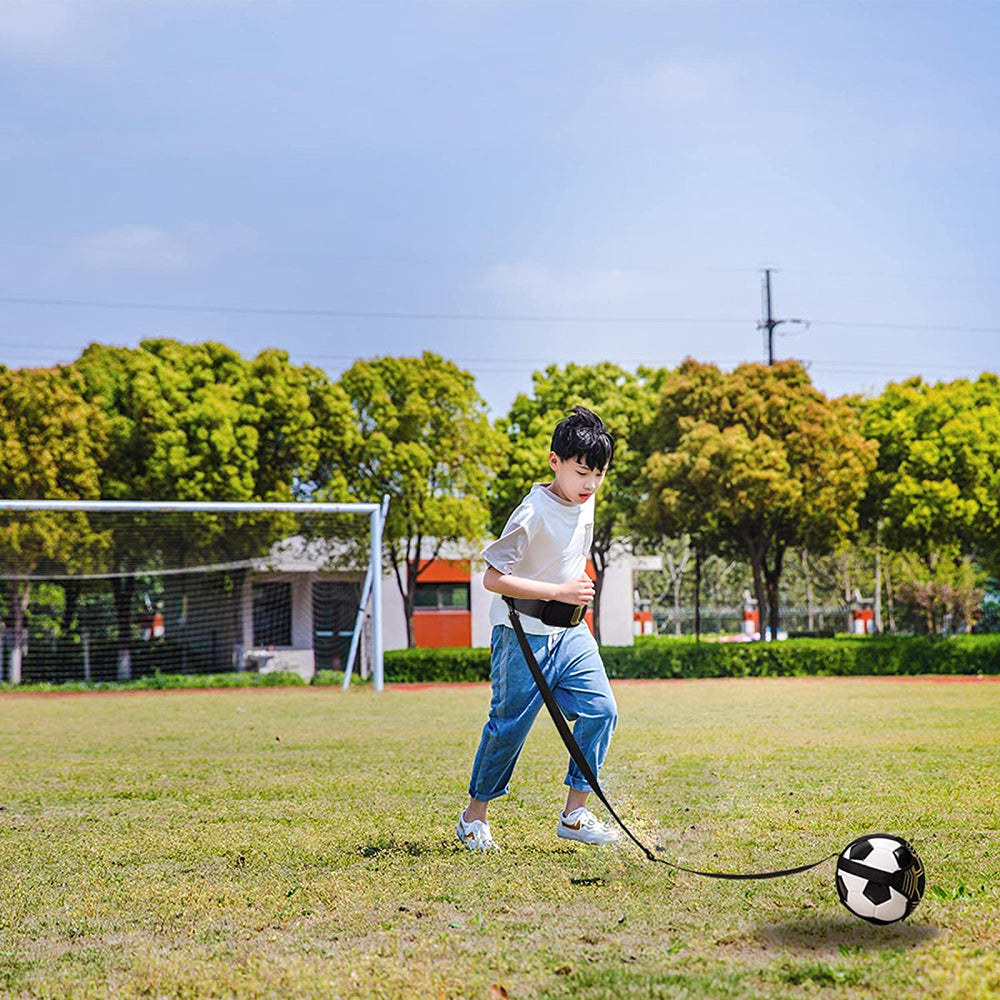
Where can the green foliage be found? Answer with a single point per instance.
(622, 400)
(199, 422)
(663, 657)
(934, 494)
(421, 436)
(649, 658)
(53, 443)
(52, 438)
(427, 666)
(158, 681)
(937, 483)
(940, 594)
(333, 678)
(618, 397)
(757, 457)
(753, 462)
(845, 656)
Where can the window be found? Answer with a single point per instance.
(272, 614)
(442, 597)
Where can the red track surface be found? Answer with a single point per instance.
(918, 679)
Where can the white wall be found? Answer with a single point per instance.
(480, 599)
(394, 619)
(616, 600)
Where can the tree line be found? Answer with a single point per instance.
(755, 466)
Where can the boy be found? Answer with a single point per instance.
(542, 556)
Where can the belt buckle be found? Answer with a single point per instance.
(577, 614)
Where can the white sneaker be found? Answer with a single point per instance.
(476, 835)
(581, 824)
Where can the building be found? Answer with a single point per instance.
(299, 615)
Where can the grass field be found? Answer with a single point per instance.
(299, 843)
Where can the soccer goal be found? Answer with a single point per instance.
(114, 590)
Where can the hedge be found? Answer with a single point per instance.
(662, 656)
(159, 681)
(425, 666)
(650, 657)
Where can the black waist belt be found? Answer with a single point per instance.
(550, 612)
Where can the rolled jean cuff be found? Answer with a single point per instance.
(577, 783)
(489, 796)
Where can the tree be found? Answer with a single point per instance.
(53, 444)
(942, 598)
(755, 461)
(199, 422)
(936, 489)
(421, 435)
(933, 497)
(621, 400)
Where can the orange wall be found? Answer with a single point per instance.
(434, 629)
(446, 571)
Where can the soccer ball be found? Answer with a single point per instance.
(880, 878)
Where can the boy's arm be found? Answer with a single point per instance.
(579, 591)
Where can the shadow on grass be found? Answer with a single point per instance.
(844, 934)
(385, 846)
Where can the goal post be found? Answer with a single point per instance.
(249, 583)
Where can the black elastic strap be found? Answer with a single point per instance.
(585, 769)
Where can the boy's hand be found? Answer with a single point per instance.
(579, 591)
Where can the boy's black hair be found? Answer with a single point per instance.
(583, 435)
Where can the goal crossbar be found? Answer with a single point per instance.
(207, 506)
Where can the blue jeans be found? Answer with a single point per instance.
(571, 664)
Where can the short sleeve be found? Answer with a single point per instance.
(507, 551)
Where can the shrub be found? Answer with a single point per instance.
(158, 681)
(650, 657)
(844, 656)
(334, 678)
(661, 656)
(436, 665)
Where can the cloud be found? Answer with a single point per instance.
(574, 290)
(682, 84)
(140, 247)
(673, 99)
(52, 31)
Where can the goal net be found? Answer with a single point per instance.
(104, 590)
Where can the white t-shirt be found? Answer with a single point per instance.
(545, 539)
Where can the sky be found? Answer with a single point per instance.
(508, 184)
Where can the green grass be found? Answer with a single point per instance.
(299, 842)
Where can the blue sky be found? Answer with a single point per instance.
(509, 184)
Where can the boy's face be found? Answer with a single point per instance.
(574, 480)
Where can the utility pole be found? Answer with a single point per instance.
(769, 322)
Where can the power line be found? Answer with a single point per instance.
(364, 314)
(348, 259)
(331, 313)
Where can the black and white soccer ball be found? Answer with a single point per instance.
(880, 878)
